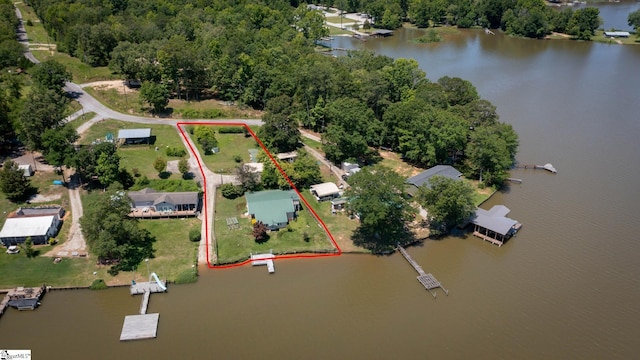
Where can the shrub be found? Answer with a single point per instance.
(231, 191)
(136, 172)
(98, 284)
(195, 235)
(231, 130)
(237, 158)
(175, 151)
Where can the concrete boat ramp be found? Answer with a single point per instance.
(143, 326)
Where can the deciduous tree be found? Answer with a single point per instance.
(13, 183)
(448, 202)
(377, 197)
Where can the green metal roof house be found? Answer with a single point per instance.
(274, 208)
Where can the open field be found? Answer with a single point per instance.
(141, 156)
(81, 72)
(174, 253)
(230, 145)
(126, 100)
(234, 245)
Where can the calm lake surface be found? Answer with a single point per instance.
(567, 287)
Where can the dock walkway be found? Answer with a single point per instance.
(143, 326)
(264, 259)
(427, 280)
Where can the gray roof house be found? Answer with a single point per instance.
(134, 136)
(151, 203)
(423, 178)
(492, 225)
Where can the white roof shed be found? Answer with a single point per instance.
(27, 226)
(325, 189)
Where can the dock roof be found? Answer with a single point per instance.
(494, 219)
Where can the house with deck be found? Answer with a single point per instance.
(149, 203)
(492, 225)
(274, 208)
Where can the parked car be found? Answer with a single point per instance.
(13, 249)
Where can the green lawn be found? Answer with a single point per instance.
(117, 100)
(336, 20)
(77, 122)
(235, 245)
(230, 145)
(81, 72)
(174, 253)
(141, 156)
(18, 270)
(313, 144)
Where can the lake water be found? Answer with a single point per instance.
(566, 287)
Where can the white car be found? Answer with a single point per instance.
(13, 249)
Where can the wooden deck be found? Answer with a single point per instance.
(488, 238)
(142, 287)
(427, 280)
(150, 214)
(138, 327)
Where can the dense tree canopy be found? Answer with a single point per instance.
(634, 20)
(111, 234)
(448, 202)
(377, 197)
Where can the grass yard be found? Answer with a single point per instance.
(174, 253)
(77, 122)
(339, 224)
(234, 245)
(18, 270)
(313, 144)
(81, 72)
(140, 157)
(230, 145)
(130, 103)
(334, 31)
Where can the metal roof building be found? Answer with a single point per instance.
(325, 191)
(134, 135)
(493, 225)
(425, 176)
(274, 208)
(38, 228)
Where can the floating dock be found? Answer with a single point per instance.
(138, 327)
(427, 280)
(143, 326)
(264, 259)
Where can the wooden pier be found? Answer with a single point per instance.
(427, 280)
(264, 259)
(143, 326)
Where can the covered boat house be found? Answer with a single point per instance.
(492, 225)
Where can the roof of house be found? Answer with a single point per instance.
(26, 226)
(151, 195)
(39, 211)
(425, 176)
(325, 189)
(134, 133)
(271, 206)
(494, 219)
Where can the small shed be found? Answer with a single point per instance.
(288, 156)
(325, 191)
(134, 136)
(27, 169)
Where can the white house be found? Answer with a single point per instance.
(325, 191)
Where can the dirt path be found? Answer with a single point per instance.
(75, 244)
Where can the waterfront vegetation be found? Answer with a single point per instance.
(303, 234)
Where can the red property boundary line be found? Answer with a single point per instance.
(206, 215)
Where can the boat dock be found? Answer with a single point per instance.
(546, 166)
(22, 298)
(143, 326)
(264, 259)
(427, 280)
